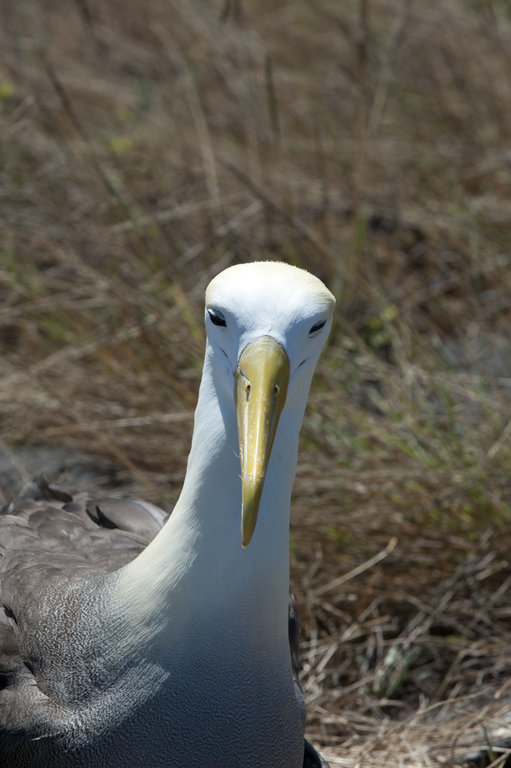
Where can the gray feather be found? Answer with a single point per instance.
(49, 537)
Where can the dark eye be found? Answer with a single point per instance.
(217, 317)
(317, 327)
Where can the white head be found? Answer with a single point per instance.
(266, 325)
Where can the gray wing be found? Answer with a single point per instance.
(47, 534)
(311, 758)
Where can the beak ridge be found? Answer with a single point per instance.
(262, 379)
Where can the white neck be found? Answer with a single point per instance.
(197, 559)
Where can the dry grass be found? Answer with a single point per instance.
(144, 146)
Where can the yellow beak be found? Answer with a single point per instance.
(261, 387)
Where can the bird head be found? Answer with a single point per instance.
(266, 324)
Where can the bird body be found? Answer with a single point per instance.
(167, 644)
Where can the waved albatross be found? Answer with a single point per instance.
(125, 641)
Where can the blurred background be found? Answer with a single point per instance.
(145, 146)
